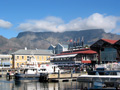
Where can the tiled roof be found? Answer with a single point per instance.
(110, 41)
(33, 52)
(80, 52)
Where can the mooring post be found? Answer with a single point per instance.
(58, 74)
(71, 73)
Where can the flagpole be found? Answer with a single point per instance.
(82, 41)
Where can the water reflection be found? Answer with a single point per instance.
(46, 86)
(32, 85)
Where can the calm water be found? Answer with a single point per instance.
(32, 85)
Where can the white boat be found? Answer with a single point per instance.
(112, 78)
(50, 68)
(32, 69)
(29, 71)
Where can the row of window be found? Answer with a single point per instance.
(29, 57)
(5, 59)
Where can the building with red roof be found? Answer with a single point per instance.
(102, 51)
(75, 57)
(108, 50)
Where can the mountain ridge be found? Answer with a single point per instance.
(42, 40)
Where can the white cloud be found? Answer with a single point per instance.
(55, 24)
(5, 24)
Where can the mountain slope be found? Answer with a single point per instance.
(42, 40)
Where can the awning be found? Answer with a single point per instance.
(83, 61)
(5, 63)
(64, 56)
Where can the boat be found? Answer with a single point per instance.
(107, 78)
(50, 68)
(29, 71)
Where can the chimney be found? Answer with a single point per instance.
(25, 48)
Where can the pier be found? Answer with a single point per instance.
(58, 77)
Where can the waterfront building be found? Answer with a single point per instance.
(52, 47)
(5, 61)
(58, 48)
(108, 50)
(75, 57)
(26, 56)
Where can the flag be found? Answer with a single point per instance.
(82, 41)
(78, 41)
(71, 40)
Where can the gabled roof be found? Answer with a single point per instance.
(110, 41)
(64, 46)
(33, 52)
(52, 46)
(102, 43)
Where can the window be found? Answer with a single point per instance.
(42, 57)
(28, 58)
(22, 57)
(17, 64)
(17, 57)
(38, 57)
(47, 58)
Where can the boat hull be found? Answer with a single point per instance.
(27, 76)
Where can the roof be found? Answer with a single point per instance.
(103, 43)
(64, 46)
(33, 52)
(63, 56)
(52, 46)
(83, 51)
(110, 41)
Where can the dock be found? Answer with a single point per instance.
(59, 77)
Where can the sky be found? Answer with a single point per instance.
(58, 16)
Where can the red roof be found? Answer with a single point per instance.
(110, 41)
(85, 52)
(80, 52)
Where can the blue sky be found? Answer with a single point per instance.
(58, 16)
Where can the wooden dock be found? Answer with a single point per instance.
(59, 77)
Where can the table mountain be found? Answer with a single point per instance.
(42, 40)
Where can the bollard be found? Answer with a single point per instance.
(58, 74)
(71, 73)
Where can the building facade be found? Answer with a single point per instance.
(24, 57)
(58, 48)
(75, 57)
(52, 48)
(5, 61)
(108, 50)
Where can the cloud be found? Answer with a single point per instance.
(5, 24)
(55, 24)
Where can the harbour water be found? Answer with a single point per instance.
(36, 85)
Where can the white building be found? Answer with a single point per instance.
(5, 61)
(58, 48)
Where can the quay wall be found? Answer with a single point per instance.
(74, 75)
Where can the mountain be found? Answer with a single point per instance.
(42, 40)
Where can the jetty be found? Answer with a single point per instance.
(59, 77)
